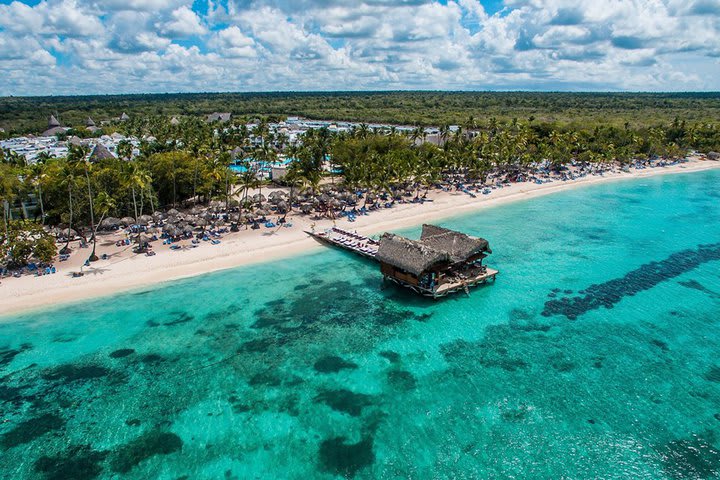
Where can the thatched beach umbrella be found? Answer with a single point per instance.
(171, 230)
(173, 212)
(200, 222)
(109, 222)
(144, 220)
(127, 221)
(258, 198)
(276, 195)
(187, 229)
(68, 233)
(282, 206)
(143, 239)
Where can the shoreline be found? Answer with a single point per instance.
(125, 271)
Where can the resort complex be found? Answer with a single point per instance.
(359, 240)
(164, 185)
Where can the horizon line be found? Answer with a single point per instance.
(398, 91)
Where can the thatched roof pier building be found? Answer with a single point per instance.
(443, 261)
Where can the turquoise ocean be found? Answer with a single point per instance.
(596, 354)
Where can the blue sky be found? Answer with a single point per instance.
(61, 47)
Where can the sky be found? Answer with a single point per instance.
(74, 47)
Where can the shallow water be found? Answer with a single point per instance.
(595, 355)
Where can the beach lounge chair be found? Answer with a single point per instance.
(215, 242)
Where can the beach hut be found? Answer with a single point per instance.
(54, 127)
(441, 262)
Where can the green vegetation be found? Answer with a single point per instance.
(29, 114)
(22, 240)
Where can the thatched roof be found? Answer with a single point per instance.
(50, 132)
(53, 122)
(409, 255)
(100, 152)
(436, 246)
(124, 117)
(457, 244)
(89, 122)
(219, 117)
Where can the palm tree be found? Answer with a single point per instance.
(69, 180)
(78, 155)
(105, 204)
(124, 150)
(9, 183)
(38, 176)
(137, 180)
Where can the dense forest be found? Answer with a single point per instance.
(29, 114)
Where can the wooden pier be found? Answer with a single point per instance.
(350, 241)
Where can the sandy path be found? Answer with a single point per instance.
(125, 271)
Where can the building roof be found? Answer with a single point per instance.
(100, 152)
(89, 122)
(436, 246)
(124, 117)
(53, 122)
(457, 244)
(409, 255)
(174, 121)
(219, 117)
(52, 131)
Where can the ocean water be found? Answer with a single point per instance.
(594, 355)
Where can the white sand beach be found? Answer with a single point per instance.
(124, 270)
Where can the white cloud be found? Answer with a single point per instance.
(183, 23)
(171, 45)
(232, 42)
